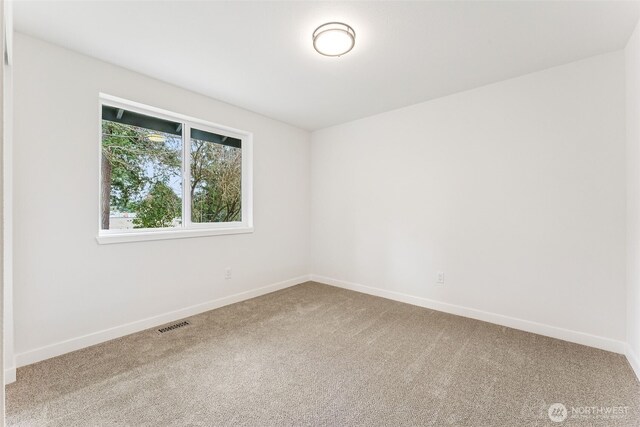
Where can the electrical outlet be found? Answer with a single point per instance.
(440, 278)
(227, 273)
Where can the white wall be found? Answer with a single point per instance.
(4, 18)
(516, 191)
(68, 286)
(632, 57)
(7, 205)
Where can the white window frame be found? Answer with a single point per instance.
(188, 228)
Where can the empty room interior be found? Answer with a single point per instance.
(302, 213)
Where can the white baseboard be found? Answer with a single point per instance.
(498, 319)
(59, 348)
(634, 361)
(9, 375)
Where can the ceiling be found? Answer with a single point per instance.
(259, 55)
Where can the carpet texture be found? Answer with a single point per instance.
(318, 355)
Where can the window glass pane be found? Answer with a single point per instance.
(141, 171)
(216, 177)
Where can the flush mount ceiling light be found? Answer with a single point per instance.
(334, 39)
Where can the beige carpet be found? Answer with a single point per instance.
(318, 355)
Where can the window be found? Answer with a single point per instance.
(165, 175)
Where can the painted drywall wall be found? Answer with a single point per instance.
(7, 199)
(66, 285)
(516, 191)
(632, 63)
(5, 42)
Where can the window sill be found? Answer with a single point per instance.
(106, 239)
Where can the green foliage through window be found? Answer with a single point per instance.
(215, 182)
(142, 176)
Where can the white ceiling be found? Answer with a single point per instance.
(259, 55)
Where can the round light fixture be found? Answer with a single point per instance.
(334, 39)
(156, 137)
